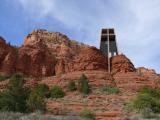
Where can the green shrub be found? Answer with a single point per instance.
(110, 90)
(16, 80)
(14, 98)
(57, 92)
(43, 90)
(148, 99)
(72, 86)
(36, 102)
(18, 98)
(86, 113)
(2, 77)
(83, 85)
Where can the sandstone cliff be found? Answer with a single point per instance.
(46, 53)
(8, 58)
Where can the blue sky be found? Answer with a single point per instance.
(137, 23)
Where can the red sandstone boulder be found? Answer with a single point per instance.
(121, 63)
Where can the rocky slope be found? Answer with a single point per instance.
(57, 59)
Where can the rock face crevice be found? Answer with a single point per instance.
(46, 53)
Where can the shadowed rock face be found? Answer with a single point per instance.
(36, 61)
(7, 58)
(51, 53)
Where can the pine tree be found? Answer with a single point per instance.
(83, 85)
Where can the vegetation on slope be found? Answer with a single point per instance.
(57, 92)
(147, 103)
(110, 90)
(86, 113)
(84, 85)
(2, 77)
(72, 86)
(18, 98)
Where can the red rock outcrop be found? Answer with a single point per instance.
(146, 72)
(46, 53)
(51, 53)
(89, 59)
(35, 60)
(58, 44)
(121, 63)
(7, 58)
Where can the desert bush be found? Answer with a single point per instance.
(146, 103)
(86, 113)
(148, 98)
(42, 90)
(18, 98)
(110, 90)
(36, 102)
(72, 86)
(2, 77)
(83, 85)
(57, 92)
(15, 81)
(14, 98)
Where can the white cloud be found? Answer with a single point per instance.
(136, 22)
(37, 8)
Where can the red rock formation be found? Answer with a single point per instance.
(121, 63)
(146, 72)
(54, 54)
(7, 58)
(48, 53)
(35, 60)
(51, 53)
(89, 59)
